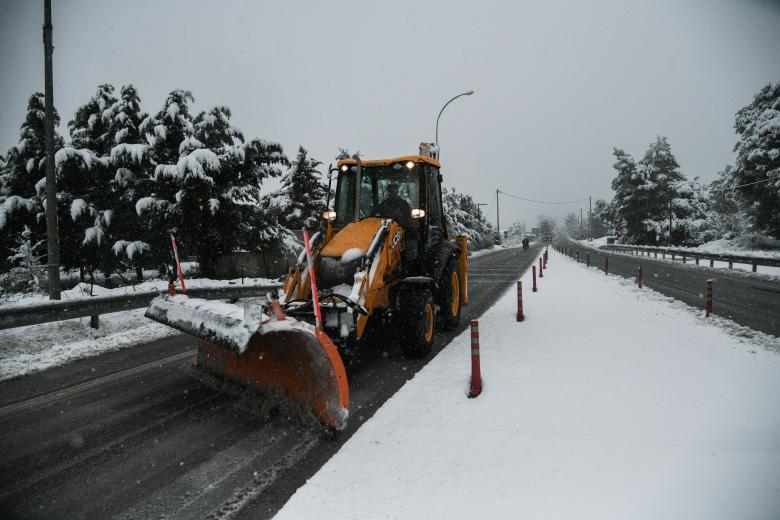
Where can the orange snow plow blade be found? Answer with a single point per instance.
(301, 366)
(281, 358)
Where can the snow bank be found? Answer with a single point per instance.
(82, 290)
(755, 245)
(614, 403)
(25, 350)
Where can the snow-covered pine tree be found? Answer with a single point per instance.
(726, 217)
(301, 199)
(664, 183)
(601, 218)
(157, 196)
(758, 159)
(131, 167)
(84, 187)
(630, 199)
(22, 179)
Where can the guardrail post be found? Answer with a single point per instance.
(476, 374)
(578, 256)
(684, 259)
(606, 264)
(94, 321)
(533, 273)
(755, 267)
(697, 260)
(541, 271)
(520, 316)
(712, 262)
(731, 264)
(708, 305)
(639, 276)
(656, 254)
(587, 257)
(673, 257)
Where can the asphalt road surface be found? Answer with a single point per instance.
(748, 299)
(130, 434)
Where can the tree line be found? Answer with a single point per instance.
(127, 180)
(654, 202)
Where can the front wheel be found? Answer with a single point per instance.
(449, 297)
(417, 322)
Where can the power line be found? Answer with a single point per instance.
(542, 201)
(741, 185)
(491, 206)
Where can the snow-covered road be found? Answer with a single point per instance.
(607, 402)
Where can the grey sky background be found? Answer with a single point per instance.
(557, 83)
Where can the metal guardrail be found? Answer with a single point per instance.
(697, 256)
(20, 316)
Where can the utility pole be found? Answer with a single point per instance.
(498, 222)
(590, 216)
(670, 218)
(52, 231)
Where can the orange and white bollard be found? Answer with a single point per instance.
(541, 271)
(708, 308)
(533, 273)
(520, 316)
(476, 375)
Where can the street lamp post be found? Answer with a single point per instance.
(467, 93)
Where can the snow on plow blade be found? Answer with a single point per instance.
(285, 358)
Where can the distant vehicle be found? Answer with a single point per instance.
(548, 238)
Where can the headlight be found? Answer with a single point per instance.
(344, 167)
(418, 213)
(329, 215)
(410, 164)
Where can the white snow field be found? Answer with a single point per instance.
(608, 402)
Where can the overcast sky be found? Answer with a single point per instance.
(558, 83)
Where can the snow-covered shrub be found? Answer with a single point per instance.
(465, 218)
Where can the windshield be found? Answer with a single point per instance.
(385, 191)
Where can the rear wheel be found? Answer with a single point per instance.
(417, 321)
(449, 297)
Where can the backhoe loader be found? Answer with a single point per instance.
(382, 262)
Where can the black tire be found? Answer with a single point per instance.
(417, 321)
(449, 297)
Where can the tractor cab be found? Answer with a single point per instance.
(405, 189)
